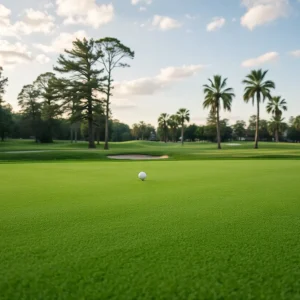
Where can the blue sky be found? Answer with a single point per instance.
(178, 46)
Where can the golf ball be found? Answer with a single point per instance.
(142, 176)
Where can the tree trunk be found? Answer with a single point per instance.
(218, 129)
(71, 133)
(257, 123)
(276, 135)
(98, 136)
(76, 129)
(165, 135)
(91, 125)
(106, 147)
(182, 133)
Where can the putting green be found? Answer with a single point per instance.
(193, 230)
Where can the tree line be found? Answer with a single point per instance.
(73, 102)
(218, 96)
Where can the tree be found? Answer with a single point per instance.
(183, 116)
(3, 84)
(277, 126)
(215, 93)
(257, 88)
(84, 80)
(120, 132)
(191, 132)
(173, 123)
(31, 108)
(296, 122)
(163, 124)
(276, 106)
(49, 96)
(239, 129)
(135, 131)
(113, 53)
(142, 129)
(6, 121)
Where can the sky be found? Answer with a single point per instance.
(178, 45)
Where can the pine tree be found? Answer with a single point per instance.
(83, 82)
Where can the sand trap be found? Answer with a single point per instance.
(233, 145)
(137, 157)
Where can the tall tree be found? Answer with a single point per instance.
(163, 124)
(84, 79)
(6, 120)
(239, 129)
(31, 108)
(114, 52)
(296, 123)
(183, 116)
(257, 89)
(173, 123)
(215, 94)
(3, 83)
(277, 126)
(142, 129)
(49, 96)
(276, 106)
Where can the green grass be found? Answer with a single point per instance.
(193, 230)
(190, 151)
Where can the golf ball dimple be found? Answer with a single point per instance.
(142, 176)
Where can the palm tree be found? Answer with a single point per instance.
(163, 123)
(183, 116)
(173, 123)
(276, 106)
(296, 123)
(257, 88)
(215, 94)
(276, 126)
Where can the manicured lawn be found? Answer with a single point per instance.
(20, 150)
(194, 230)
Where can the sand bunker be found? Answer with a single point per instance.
(137, 157)
(233, 145)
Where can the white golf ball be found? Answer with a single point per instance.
(142, 176)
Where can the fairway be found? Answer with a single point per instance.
(193, 230)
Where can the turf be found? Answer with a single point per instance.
(64, 150)
(193, 230)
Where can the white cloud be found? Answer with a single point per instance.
(260, 12)
(265, 58)
(6, 28)
(35, 21)
(4, 11)
(136, 2)
(143, 8)
(295, 53)
(13, 53)
(165, 23)
(215, 24)
(63, 41)
(151, 85)
(86, 12)
(32, 21)
(42, 59)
